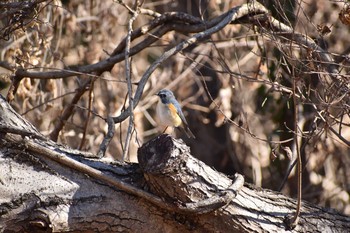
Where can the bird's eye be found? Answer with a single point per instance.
(162, 95)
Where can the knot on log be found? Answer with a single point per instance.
(161, 160)
(161, 152)
(173, 174)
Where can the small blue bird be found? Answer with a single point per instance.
(170, 113)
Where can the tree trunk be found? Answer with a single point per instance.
(46, 187)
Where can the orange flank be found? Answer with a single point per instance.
(175, 117)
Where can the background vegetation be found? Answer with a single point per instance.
(240, 88)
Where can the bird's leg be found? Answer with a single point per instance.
(165, 129)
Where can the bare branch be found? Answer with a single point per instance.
(129, 84)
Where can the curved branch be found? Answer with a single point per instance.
(232, 15)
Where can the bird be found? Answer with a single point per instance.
(170, 114)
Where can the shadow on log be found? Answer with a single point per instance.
(46, 187)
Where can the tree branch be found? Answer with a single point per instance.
(72, 193)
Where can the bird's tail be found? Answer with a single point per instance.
(187, 131)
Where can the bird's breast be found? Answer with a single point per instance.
(167, 115)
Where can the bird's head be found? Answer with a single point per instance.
(165, 96)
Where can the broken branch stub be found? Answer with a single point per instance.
(173, 174)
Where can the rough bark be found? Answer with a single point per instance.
(45, 187)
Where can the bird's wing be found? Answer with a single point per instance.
(176, 107)
(179, 113)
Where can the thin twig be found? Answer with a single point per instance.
(107, 139)
(91, 96)
(68, 110)
(48, 101)
(129, 84)
(340, 136)
(294, 221)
